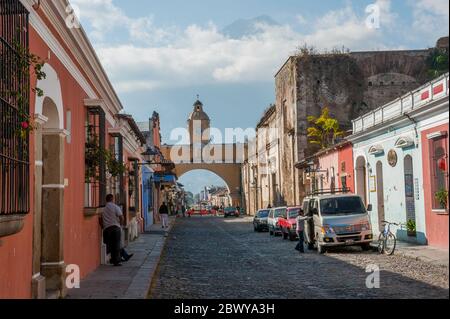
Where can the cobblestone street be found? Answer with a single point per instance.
(223, 258)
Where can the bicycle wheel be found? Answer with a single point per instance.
(390, 244)
(381, 243)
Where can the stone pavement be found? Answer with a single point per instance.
(217, 258)
(133, 279)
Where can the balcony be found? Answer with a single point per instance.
(417, 99)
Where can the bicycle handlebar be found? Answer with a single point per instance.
(389, 223)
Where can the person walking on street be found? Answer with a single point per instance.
(164, 213)
(301, 232)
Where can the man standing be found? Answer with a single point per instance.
(301, 232)
(164, 213)
(112, 218)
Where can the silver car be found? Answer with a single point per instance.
(338, 220)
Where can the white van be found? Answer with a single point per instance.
(338, 220)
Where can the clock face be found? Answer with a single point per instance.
(392, 158)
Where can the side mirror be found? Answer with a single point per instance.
(370, 208)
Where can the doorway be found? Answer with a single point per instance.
(361, 178)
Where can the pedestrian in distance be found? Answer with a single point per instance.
(183, 211)
(164, 213)
(301, 232)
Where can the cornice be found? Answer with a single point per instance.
(85, 53)
(81, 48)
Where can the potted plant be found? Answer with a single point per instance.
(442, 198)
(411, 228)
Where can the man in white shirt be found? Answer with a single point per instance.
(112, 219)
(301, 232)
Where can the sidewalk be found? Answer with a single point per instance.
(435, 256)
(133, 279)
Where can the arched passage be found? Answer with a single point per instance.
(48, 251)
(230, 173)
(196, 181)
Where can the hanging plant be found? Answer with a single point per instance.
(25, 61)
(115, 168)
(94, 156)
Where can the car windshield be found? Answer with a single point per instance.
(342, 206)
(230, 209)
(294, 213)
(280, 212)
(263, 214)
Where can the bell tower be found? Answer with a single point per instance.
(198, 125)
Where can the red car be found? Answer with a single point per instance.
(288, 223)
(198, 212)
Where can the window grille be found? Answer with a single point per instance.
(14, 109)
(95, 160)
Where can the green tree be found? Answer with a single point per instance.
(437, 63)
(323, 130)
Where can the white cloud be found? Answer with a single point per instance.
(431, 19)
(154, 58)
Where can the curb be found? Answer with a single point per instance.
(154, 270)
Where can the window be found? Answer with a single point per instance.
(95, 159)
(439, 169)
(342, 206)
(14, 110)
(133, 187)
(115, 183)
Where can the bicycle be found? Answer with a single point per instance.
(387, 242)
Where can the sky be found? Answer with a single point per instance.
(160, 54)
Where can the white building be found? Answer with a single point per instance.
(388, 157)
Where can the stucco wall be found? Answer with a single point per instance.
(437, 223)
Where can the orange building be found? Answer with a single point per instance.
(53, 176)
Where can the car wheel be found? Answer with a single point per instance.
(270, 232)
(285, 236)
(291, 237)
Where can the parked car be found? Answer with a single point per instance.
(231, 212)
(288, 223)
(338, 220)
(260, 220)
(273, 218)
